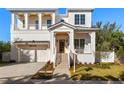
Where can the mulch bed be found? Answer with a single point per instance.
(45, 73)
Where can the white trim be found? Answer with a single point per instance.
(26, 20)
(40, 21)
(61, 23)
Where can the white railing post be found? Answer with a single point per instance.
(69, 59)
(74, 64)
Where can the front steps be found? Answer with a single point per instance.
(62, 69)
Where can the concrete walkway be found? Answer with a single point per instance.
(19, 73)
(62, 70)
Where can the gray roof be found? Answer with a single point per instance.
(32, 9)
(48, 9)
(77, 28)
(80, 9)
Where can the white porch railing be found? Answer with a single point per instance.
(30, 27)
(54, 58)
(73, 55)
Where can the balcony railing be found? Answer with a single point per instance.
(31, 27)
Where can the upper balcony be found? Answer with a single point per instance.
(32, 21)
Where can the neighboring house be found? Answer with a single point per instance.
(42, 35)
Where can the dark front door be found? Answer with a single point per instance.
(61, 46)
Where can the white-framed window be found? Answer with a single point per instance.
(79, 19)
(23, 23)
(79, 44)
(49, 23)
(36, 24)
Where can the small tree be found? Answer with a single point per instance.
(4, 46)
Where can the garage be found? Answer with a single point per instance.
(35, 51)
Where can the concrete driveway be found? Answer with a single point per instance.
(19, 73)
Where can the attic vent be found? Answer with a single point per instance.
(62, 20)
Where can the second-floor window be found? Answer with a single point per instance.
(23, 22)
(49, 23)
(36, 24)
(79, 19)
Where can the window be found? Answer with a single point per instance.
(23, 22)
(76, 19)
(76, 43)
(82, 19)
(62, 20)
(79, 19)
(82, 42)
(49, 22)
(36, 24)
(79, 43)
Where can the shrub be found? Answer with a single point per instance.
(85, 77)
(42, 76)
(120, 52)
(103, 65)
(76, 77)
(121, 76)
(109, 77)
(88, 68)
(98, 78)
(90, 77)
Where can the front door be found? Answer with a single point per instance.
(62, 46)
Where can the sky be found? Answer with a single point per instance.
(99, 14)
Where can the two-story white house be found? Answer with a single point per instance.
(42, 35)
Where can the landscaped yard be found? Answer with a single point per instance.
(45, 73)
(103, 71)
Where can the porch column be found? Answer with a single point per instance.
(92, 44)
(13, 19)
(71, 40)
(19, 54)
(26, 20)
(52, 48)
(53, 18)
(51, 45)
(40, 20)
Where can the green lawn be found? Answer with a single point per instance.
(104, 71)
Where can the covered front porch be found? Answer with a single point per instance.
(78, 43)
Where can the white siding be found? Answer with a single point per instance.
(87, 18)
(70, 18)
(89, 48)
(86, 58)
(87, 38)
(30, 35)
